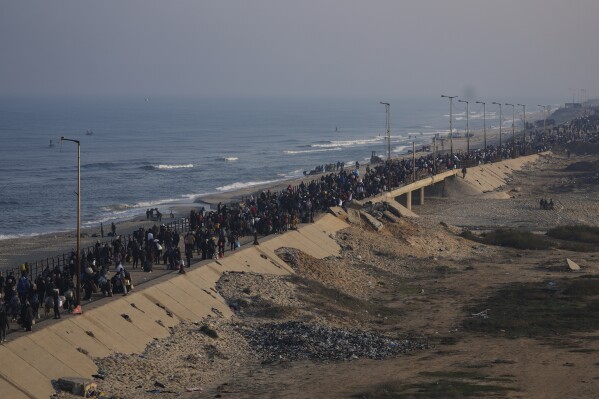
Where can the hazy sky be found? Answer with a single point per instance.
(324, 48)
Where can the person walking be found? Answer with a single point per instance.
(27, 317)
(4, 326)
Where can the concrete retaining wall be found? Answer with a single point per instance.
(490, 177)
(127, 324)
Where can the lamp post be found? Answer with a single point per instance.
(78, 260)
(435, 154)
(513, 131)
(387, 114)
(524, 133)
(545, 116)
(484, 122)
(500, 122)
(450, 121)
(467, 127)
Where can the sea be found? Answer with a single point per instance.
(139, 153)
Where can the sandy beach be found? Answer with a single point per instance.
(416, 280)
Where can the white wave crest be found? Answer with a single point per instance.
(185, 166)
(12, 236)
(311, 151)
(348, 143)
(240, 185)
(292, 175)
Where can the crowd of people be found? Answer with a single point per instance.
(269, 212)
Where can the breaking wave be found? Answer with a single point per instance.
(348, 143)
(311, 151)
(167, 167)
(240, 185)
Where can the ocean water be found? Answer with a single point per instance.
(160, 151)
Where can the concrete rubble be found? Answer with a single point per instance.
(299, 341)
(76, 385)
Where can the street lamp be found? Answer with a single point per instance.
(387, 114)
(467, 127)
(513, 131)
(78, 260)
(450, 121)
(524, 113)
(500, 123)
(545, 116)
(484, 122)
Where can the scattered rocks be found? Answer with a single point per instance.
(297, 340)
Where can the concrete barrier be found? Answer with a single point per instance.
(489, 177)
(126, 324)
(372, 221)
(400, 210)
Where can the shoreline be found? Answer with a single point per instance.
(36, 247)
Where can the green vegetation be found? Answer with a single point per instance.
(510, 238)
(579, 233)
(540, 309)
(444, 384)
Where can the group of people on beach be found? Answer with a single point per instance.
(269, 212)
(153, 213)
(329, 167)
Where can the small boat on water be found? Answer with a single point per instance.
(89, 132)
(51, 144)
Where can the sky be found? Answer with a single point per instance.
(299, 48)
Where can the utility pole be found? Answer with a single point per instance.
(524, 113)
(387, 114)
(450, 121)
(413, 161)
(500, 122)
(467, 127)
(435, 155)
(78, 260)
(484, 122)
(513, 130)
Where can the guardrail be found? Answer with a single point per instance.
(61, 261)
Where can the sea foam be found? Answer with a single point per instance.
(240, 185)
(311, 151)
(168, 167)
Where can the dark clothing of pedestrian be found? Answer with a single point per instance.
(4, 326)
(56, 300)
(27, 317)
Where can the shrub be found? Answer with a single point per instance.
(208, 331)
(580, 233)
(515, 239)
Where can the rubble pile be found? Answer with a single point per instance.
(298, 341)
